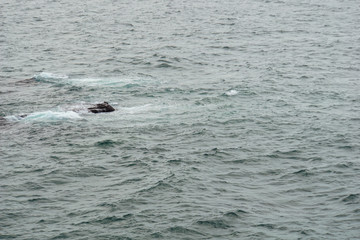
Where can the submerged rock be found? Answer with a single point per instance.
(26, 81)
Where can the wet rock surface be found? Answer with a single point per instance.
(101, 107)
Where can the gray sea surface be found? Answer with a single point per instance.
(234, 119)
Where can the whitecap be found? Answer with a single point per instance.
(231, 92)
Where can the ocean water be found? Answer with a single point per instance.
(234, 119)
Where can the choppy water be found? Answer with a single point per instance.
(234, 119)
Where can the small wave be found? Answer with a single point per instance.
(113, 219)
(183, 230)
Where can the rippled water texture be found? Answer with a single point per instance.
(234, 119)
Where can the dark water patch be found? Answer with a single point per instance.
(352, 198)
(109, 205)
(82, 213)
(63, 236)
(146, 94)
(216, 152)
(304, 232)
(9, 236)
(291, 154)
(160, 186)
(235, 121)
(303, 173)
(87, 172)
(135, 163)
(231, 215)
(216, 223)
(183, 232)
(344, 215)
(128, 181)
(266, 225)
(175, 161)
(157, 235)
(27, 82)
(273, 172)
(236, 214)
(244, 160)
(77, 234)
(346, 147)
(159, 149)
(73, 89)
(57, 158)
(57, 180)
(299, 190)
(348, 165)
(113, 237)
(40, 200)
(131, 85)
(7, 92)
(127, 203)
(315, 159)
(202, 131)
(113, 219)
(164, 65)
(107, 143)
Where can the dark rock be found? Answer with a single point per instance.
(101, 107)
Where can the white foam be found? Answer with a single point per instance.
(136, 109)
(46, 116)
(48, 75)
(115, 81)
(80, 108)
(13, 118)
(51, 115)
(121, 81)
(231, 92)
